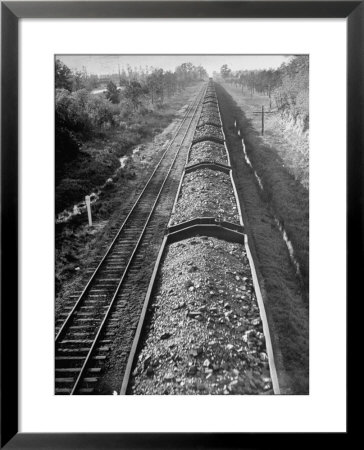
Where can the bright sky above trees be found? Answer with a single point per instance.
(105, 64)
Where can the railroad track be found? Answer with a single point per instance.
(84, 331)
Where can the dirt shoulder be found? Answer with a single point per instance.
(286, 297)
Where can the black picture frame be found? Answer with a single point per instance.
(11, 12)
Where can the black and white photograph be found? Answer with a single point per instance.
(181, 224)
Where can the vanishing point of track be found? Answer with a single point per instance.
(81, 344)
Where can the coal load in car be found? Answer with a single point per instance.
(207, 120)
(208, 131)
(210, 98)
(210, 111)
(207, 151)
(210, 106)
(206, 193)
(205, 335)
(210, 115)
(210, 102)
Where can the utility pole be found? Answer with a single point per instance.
(263, 113)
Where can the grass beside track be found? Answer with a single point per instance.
(286, 297)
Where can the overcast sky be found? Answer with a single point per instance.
(103, 64)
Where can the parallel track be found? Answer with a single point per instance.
(81, 344)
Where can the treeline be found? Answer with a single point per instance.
(152, 80)
(287, 86)
(70, 80)
(79, 113)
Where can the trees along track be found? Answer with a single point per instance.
(80, 344)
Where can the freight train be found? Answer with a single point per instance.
(204, 328)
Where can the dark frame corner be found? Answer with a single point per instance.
(11, 12)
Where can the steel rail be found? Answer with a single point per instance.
(88, 285)
(106, 316)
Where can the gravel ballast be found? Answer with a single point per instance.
(204, 334)
(206, 193)
(207, 151)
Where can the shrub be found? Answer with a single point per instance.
(66, 147)
(82, 112)
(136, 128)
(112, 93)
(70, 111)
(68, 190)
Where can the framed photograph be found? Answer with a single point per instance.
(181, 204)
